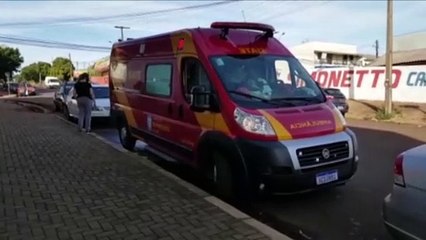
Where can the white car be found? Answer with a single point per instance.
(52, 82)
(102, 109)
(404, 210)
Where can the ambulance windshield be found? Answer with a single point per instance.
(267, 81)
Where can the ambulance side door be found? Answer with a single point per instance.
(191, 124)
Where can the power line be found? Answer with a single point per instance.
(118, 16)
(52, 44)
(293, 11)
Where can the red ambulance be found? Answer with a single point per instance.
(234, 103)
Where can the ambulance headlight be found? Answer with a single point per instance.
(340, 116)
(253, 123)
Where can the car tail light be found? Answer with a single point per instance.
(398, 171)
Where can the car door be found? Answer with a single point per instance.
(157, 119)
(192, 73)
(72, 103)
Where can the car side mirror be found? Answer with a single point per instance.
(203, 100)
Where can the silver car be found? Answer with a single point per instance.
(404, 210)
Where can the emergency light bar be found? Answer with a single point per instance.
(225, 26)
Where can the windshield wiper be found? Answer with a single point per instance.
(270, 101)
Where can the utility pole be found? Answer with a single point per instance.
(121, 28)
(39, 73)
(8, 82)
(389, 49)
(244, 16)
(376, 46)
(71, 70)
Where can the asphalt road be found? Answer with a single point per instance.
(348, 212)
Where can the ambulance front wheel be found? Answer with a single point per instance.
(126, 139)
(223, 181)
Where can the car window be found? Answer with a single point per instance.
(268, 79)
(159, 79)
(101, 92)
(333, 91)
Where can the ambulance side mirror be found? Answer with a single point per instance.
(200, 99)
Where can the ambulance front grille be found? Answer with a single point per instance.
(321, 154)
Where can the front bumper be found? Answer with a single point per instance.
(100, 114)
(275, 166)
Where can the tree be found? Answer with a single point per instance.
(62, 68)
(35, 71)
(10, 60)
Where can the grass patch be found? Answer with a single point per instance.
(382, 115)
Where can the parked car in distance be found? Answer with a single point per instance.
(102, 108)
(52, 82)
(404, 210)
(338, 99)
(13, 87)
(60, 94)
(25, 89)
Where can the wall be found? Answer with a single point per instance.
(409, 82)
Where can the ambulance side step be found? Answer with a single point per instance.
(160, 154)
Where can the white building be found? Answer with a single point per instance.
(325, 54)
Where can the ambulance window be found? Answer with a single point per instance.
(158, 79)
(282, 71)
(193, 75)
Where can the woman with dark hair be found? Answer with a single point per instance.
(83, 92)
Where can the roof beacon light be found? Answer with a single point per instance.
(181, 44)
(225, 26)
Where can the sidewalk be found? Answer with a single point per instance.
(57, 183)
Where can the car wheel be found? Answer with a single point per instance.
(126, 139)
(66, 113)
(57, 108)
(223, 181)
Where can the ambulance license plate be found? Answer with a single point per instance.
(326, 177)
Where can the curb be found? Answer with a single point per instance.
(234, 212)
(26, 104)
(8, 96)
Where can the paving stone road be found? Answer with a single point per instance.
(57, 183)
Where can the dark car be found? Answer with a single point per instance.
(338, 99)
(12, 87)
(59, 96)
(25, 89)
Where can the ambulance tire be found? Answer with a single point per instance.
(222, 176)
(126, 139)
(227, 183)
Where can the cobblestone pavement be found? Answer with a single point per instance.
(57, 183)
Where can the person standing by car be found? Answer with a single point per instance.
(85, 96)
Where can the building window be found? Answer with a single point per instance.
(319, 54)
(329, 58)
(159, 79)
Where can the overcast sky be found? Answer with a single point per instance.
(351, 22)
